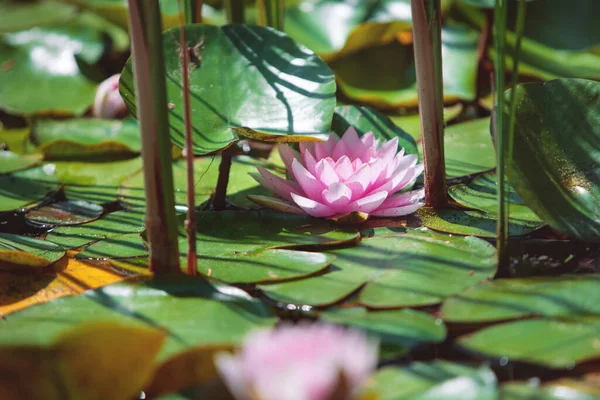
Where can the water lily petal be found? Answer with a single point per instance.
(312, 207)
(337, 196)
(276, 204)
(309, 161)
(288, 155)
(309, 184)
(402, 199)
(281, 187)
(397, 211)
(325, 149)
(325, 172)
(343, 168)
(359, 181)
(388, 150)
(368, 203)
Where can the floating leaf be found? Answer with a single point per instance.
(18, 16)
(549, 391)
(440, 380)
(189, 310)
(28, 186)
(412, 269)
(365, 119)
(115, 246)
(18, 252)
(552, 343)
(397, 330)
(411, 123)
(476, 223)
(65, 213)
(11, 162)
(16, 139)
(547, 296)
(82, 138)
(240, 72)
(555, 160)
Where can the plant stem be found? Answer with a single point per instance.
(235, 11)
(151, 97)
(190, 221)
(223, 180)
(427, 36)
(192, 11)
(500, 14)
(271, 13)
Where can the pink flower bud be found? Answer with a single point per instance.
(301, 362)
(352, 174)
(108, 103)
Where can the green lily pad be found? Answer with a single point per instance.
(16, 139)
(390, 84)
(43, 60)
(555, 162)
(468, 148)
(115, 247)
(82, 138)
(241, 74)
(549, 391)
(411, 123)
(11, 162)
(412, 269)
(25, 187)
(65, 213)
(551, 343)
(18, 16)
(547, 296)
(114, 224)
(474, 222)
(481, 194)
(18, 251)
(206, 173)
(245, 247)
(188, 310)
(365, 119)
(397, 330)
(440, 380)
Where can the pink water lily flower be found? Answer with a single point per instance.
(299, 362)
(108, 103)
(340, 176)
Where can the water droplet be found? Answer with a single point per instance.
(504, 361)
(438, 321)
(534, 382)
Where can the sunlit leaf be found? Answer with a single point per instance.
(24, 252)
(11, 162)
(65, 213)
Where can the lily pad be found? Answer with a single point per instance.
(411, 123)
(189, 310)
(391, 84)
(11, 162)
(547, 296)
(43, 60)
(65, 213)
(114, 247)
(555, 162)
(18, 16)
(18, 251)
(16, 139)
(549, 391)
(240, 72)
(474, 222)
(397, 330)
(27, 186)
(440, 380)
(412, 269)
(481, 194)
(548, 342)
(82, 138)
(365, 119)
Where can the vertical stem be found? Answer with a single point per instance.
(427, 36)
(223, 180)
(500, 14)
(190, 221)
(235, 11)
(192, 11)
(151, 97)
(271, 13)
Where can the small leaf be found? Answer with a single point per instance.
(65, 213)
(17, 252)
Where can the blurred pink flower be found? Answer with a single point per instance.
(334, 178)
(300, 362)
(108, 103)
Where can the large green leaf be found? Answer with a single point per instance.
(28, 186)
(362, 76)
(474, 222)
(412, 269)
(397, 330)
(552, 343)
(437, 380)
(365, 119)
(189, 310)
(44, 61)
(549, 391)
(24, 251)
(20, 15)
(556, 158)
(11, 162)
(548, 296)
(246, 80)
(82, 138)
